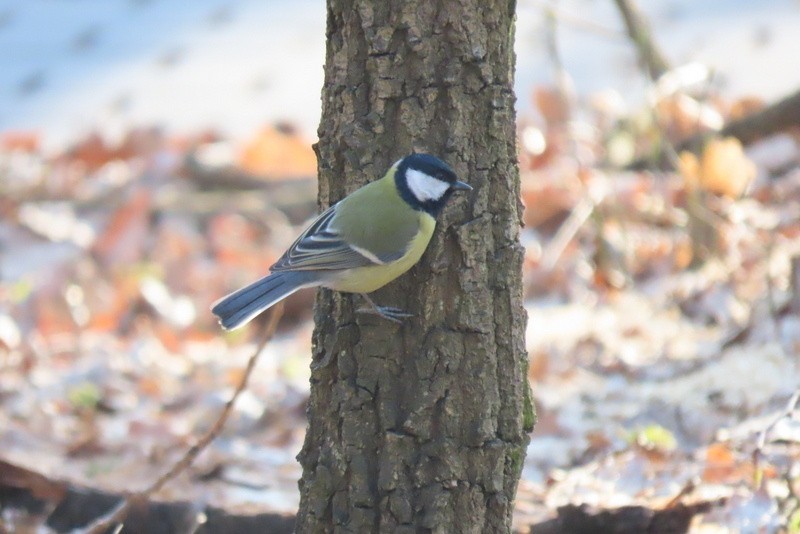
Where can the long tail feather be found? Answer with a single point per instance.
(238, 308)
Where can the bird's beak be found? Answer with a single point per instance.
(460, 186)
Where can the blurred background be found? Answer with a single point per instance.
(155, 155)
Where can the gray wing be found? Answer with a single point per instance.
(321, 247)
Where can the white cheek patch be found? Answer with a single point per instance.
(425, 187)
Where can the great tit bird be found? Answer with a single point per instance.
(359, 244)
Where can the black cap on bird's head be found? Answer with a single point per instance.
(426, 182)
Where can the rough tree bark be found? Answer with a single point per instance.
(422, 426)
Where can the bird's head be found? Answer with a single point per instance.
(426, 182)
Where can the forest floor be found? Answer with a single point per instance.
(663, 310)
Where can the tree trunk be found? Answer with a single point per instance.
(422, 426)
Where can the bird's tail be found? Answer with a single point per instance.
(238, 308)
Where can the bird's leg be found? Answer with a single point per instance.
(387, 312)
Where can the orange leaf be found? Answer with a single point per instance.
(93, 152)
(723, 168)
(745, 106)
(123, 237)
(168, 337)
(53, 317)
(104, 322)
(277, 154)
(24, 141)
(538, 365)
(720, 463)
(150, 386)
(546, 203)
(200, 336)
(551, 104)
(683, 254)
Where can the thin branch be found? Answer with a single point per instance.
(761, 443)
(778, 117)
(563, 80)
(576, 21)
(580, 213)
(687, 488)
(775, 118)
(567, 231)
(115, 517)
(794, 302)
(639, 31)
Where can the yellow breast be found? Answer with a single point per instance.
(368, 279)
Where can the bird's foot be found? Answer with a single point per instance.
(396, 315)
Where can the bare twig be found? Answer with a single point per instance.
(778, 117)
(639, 32)
(653, 60)
(775, 118)
(774, 312)
(577, 21)
(567, 231)
(758, 453)
(115, 517)
(687, 488)
(794, 303)
(562, 77)
(581, 212)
